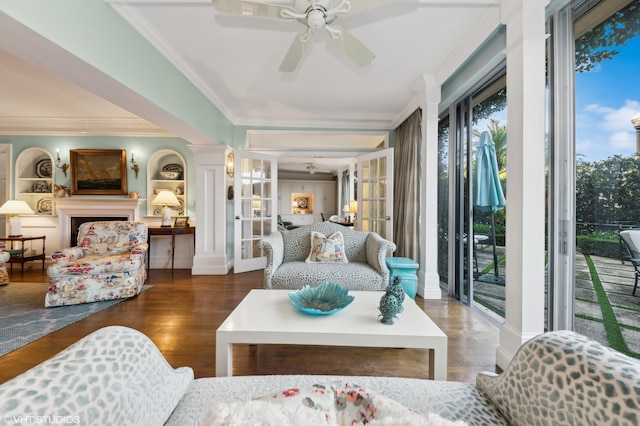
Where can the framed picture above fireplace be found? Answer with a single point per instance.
(98, 171)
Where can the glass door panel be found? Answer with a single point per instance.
(607, 164)
(375, 174)
(443, 200)
(254, 218)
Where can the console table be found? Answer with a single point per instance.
(18, 255)
(189, 230)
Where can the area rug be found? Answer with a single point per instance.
(23, 317)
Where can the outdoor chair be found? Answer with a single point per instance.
(631, 239)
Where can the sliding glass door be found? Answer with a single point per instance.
(472, 165)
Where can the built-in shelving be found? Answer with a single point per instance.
(166, 160)
(35, 172)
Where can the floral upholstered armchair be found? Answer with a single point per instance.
(108, 263)
(4, 276)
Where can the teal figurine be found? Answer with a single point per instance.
(398, 291)
(388, 308)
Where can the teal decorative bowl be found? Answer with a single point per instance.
(325, 299)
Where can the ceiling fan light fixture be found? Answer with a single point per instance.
(316, 19)
(313, 14)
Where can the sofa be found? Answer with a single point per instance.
(108, 263)
(117, 376)
(287, 252)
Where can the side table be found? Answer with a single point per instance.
(404, 268)
(189, 230)
(17, 255)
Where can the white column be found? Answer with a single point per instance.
(211, 239)
(524, 316)
(428, 277)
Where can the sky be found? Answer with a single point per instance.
(606, 99)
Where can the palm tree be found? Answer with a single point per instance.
(499, 135)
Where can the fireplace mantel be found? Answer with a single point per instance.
(88, 207)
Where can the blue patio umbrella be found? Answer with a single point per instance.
(488, 194)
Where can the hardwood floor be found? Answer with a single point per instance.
(182, 312)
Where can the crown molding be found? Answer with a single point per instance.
(80, 126)
(136, 19)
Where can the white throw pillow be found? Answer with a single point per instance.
(334, 403)
(327, 249)
(263, 413)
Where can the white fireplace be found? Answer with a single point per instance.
(92, 207)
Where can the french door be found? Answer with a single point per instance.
(375, 193)
(255, 214)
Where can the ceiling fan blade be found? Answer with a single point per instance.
(358, 6)
(352, 47)
(294, 54)
(249, 8)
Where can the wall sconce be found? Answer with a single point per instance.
(63, 166)
(230, 168)
(134, 165)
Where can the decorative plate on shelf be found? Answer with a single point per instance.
(45, 205)
(174, 168)
(324, 299)
(179, 190)
(44, 168)
(179, 209)
(40, 187)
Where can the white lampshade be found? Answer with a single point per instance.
(166, 198)
(15, 208)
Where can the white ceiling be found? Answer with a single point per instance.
(234, 61)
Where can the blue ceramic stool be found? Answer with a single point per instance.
(404, 268)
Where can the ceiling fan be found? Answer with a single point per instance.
(315, 15)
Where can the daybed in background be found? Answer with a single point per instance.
(108, 263)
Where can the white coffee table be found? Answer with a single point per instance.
(268, 317)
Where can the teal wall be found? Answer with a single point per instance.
(94, 32)
(144, 147)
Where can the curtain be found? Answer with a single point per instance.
(346, 197)
(407, 183)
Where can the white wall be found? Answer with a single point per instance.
(324, 196)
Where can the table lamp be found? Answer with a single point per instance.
(15, 208)
(165, 199)
(353, 208)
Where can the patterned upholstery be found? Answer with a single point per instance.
(114, 376)
(451, 400)
(4, 276)
(286, 253)
(108, 263)
(118, 376)
(564, 378)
